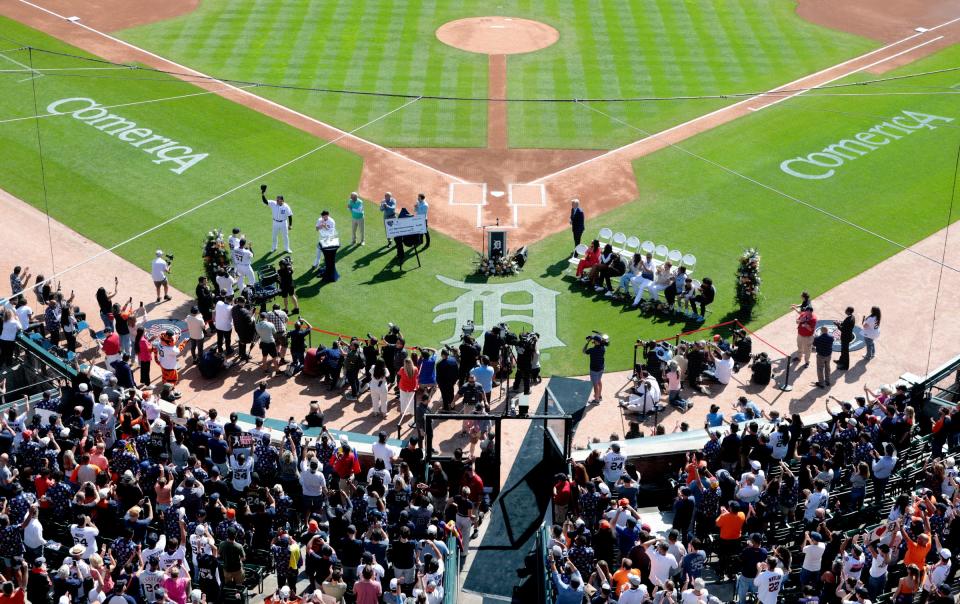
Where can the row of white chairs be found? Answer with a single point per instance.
(628, 246)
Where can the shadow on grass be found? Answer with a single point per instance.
(556, 269)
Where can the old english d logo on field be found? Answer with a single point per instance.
(94, 114)
(542, 307)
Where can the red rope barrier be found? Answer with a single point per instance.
(752, 333)
(686, 333)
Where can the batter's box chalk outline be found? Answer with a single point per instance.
(453, 193)
(540, 193)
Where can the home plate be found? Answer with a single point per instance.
(497, 193)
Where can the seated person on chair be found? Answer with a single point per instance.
(742, 350)
(646, 275)
(600, 270)
(590, 259)
(704, 298)
(631, 273)
(645, 397)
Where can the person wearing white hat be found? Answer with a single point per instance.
(355, 205)
(636, 594)
(936, 574)
(696, 594)
(159, 271)
(394, 596)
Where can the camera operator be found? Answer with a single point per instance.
(297, 342)
(244, 325)
(493, 344)
(353, 364)
(206, 299)
(469, 355)
(742, 350)
(389, 349)
(596, 348)
(525, 352)
(159, 271)
(448, 372)
(287, 289)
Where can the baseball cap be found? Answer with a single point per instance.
(231, 513)
(754, 464)
(432, 529)
(605, 586)
(635, 580)
(393, 584)
(945, 554)
(83, 387)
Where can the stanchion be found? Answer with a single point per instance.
(785, 384)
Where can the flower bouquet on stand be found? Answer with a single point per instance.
(216, 256)
(748, 282)
(501, 266)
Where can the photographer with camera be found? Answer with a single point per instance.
(526, 348)
(468, 357)
(596, 348)
(159, 271)
(287, 288)
(493, 343)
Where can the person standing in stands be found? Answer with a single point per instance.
(576, 223)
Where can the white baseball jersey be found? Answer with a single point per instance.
(242, 474)
(169, 559)
(768, 585)
(167, 356)
(613, 466)
(226, 283)
(326, 228)
(199, 545)
(242, 257)
(85, 536)
(233, 242)
(149, 582)
(280, 212)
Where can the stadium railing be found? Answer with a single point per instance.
(451, 573)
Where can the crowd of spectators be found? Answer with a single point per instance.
(860, 508)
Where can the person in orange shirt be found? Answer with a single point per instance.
(918, 550)
(621, 578)
(730, 522)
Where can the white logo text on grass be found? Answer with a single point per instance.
(94, 114)
(821, 164)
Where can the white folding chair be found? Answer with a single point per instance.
(661, 251)
(674, 256)
(689, 261)
(618, 240)
(696, 285)
(575, 260)
(648, 247)
(582, 249)
(605, 236)
(632, 246)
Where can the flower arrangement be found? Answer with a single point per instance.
(215, 254)
(501, 266)
(748, 281)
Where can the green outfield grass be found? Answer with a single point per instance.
(615, 48)
(108, 190)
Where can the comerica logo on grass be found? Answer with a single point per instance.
(820, 164)
(96, 115)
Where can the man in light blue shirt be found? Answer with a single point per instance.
(567, 593)
(421, 209)
(389, 208)
(355, 205)
(483, 373)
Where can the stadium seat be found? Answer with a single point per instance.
(619, 239)
(648, 247)
(674, 256)
(605, 236)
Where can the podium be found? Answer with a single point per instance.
(329, 247)
(496, 243)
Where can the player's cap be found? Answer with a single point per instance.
(159, 253)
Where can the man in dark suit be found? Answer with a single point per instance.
(576, 222)
(846, 336)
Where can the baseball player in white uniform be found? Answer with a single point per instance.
(242, 259)
(234, 240)
(282, 218)
(326, 228)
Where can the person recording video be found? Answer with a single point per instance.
(526, 350)
(596, 349)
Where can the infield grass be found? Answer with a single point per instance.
(108, 190)
(610, 48)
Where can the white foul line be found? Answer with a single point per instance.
(341, 133)
(874, 64)
(743, 102)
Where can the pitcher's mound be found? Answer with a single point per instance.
(497, 35)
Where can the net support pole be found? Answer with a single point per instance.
(785, 385)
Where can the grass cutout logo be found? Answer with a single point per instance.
(542, 308)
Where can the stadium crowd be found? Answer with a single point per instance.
(861, 508)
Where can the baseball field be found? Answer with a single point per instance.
(826, 184)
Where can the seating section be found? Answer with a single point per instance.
(627, 246)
